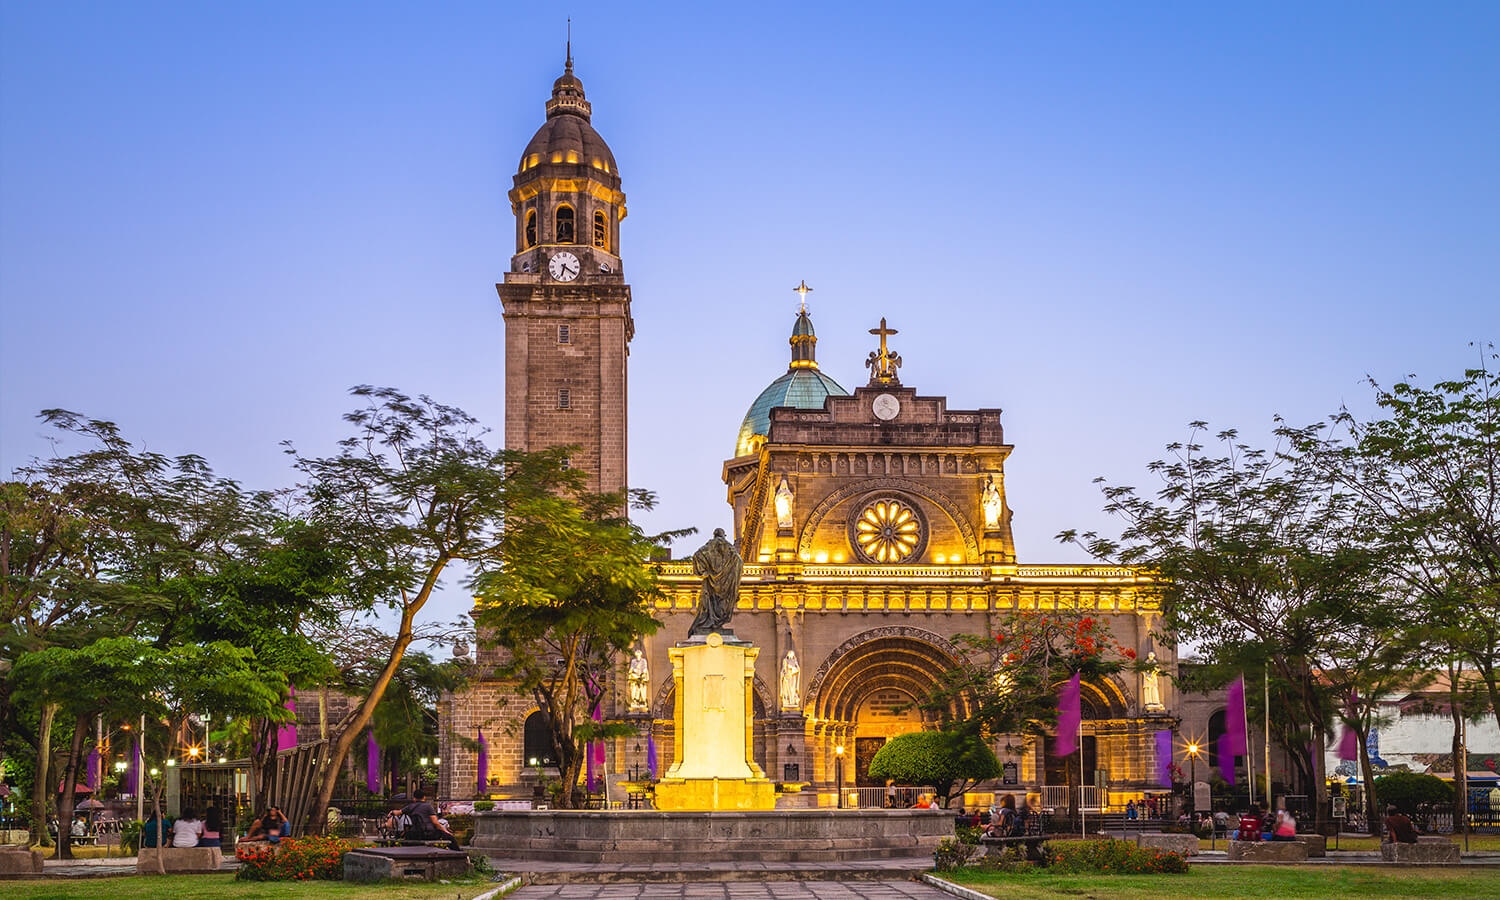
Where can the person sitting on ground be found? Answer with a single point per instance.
(1398, 828)
(1249, 829)
(187, 829)
(213, 826)
(279, 826)
(1285, 828)
(424, 821)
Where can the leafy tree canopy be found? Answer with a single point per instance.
(947, 762)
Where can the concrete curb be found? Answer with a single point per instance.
(502, 890)
(949, 887)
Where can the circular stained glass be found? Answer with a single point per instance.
(888, 530)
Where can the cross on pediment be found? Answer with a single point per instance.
(883, 363)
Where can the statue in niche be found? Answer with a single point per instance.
(784, 504)
(791, 682)
(1151, 683)
(719, 564)
(639, 681)
(992, 504)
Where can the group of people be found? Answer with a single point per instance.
(419, 821)
(270, 826)
(187, 831)
(1259, 824)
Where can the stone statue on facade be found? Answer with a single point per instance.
(783, 504)
(639, 682)
(791, 682)
(1151, 684)
(719, 564)
(992, 504)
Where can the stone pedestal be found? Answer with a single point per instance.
(713, 766)
(19, 862)
(1181, 844)
(179, 859)
(1426, 851)
(1268, 851)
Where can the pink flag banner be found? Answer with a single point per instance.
(651, 755)
(1069, 715)
(91, 769)
(286, 735)
(1164, 758)
(1349, 741)
(372, 763)
(484, 764)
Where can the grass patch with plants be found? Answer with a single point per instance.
(149, 887)
(1249, 882)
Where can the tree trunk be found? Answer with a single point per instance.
(1372, 821)
(1460, 775)
(40, 802)
(66, 802)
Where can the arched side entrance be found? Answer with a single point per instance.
(866, 692)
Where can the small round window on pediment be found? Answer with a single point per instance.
(888, 529)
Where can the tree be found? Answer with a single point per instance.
(415, 490)
(576, 591)
(950, 763)
(1260, 558)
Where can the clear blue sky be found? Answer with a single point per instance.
(1107, 219)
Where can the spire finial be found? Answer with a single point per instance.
(569, 64)
(803, 290)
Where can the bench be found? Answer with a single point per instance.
(1032, 840)
(1317, 844)
(179, 859)
(1268, 851)
(1428, 850)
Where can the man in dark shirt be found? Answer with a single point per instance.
(1398, 827)
(424, 821)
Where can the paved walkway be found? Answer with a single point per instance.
(542, 872)
(738, 890)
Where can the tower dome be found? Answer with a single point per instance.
(802, 387)
(567, 137)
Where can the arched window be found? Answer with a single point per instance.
(537, 743)
(565, 224)
(601, 231)
(531, 228)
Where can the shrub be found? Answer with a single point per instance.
(483, 805)
(1112, 857)
(951, 854)
(130, 836)
(967, 834)
(312, 858)
(944, 761)
(1408, 790)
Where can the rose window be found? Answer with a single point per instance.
(888, 530)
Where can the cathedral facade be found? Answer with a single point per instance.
(874, 527)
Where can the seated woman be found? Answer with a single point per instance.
(259, 827)
(187, 829)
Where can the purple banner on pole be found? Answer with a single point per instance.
(1226, 757)
(372, 763)
(651, 755)
(1164, 758)
(1234, 719)
(1069, 716)
(91, 769)
(484, 764)
(286, 735)
(589, 781)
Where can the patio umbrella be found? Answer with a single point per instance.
(484, 763)
(651, 755)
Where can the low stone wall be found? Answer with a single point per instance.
(1426, 851)
(179, 859)
(19, 862)
(1317, 844)
(404, 864)
(651, 836)
(1268, 851)
(1182, 844)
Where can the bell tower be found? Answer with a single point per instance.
(566, 304)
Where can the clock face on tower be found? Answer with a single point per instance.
(886, 407)
(564, 266)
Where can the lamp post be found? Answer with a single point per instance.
(838, 770)
(1192, 751)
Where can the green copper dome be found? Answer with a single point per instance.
(802, 387)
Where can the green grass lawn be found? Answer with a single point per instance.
(146, 887)
(1249, 882)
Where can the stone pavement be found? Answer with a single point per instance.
(739, 890)
(541, 872)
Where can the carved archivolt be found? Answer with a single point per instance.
(877, 485)
(920, 635)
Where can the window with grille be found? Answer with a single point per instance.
(564, 399)
(601, 231)
(565, 334)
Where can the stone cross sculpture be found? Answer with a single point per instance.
(719, 564)
(791, 682)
